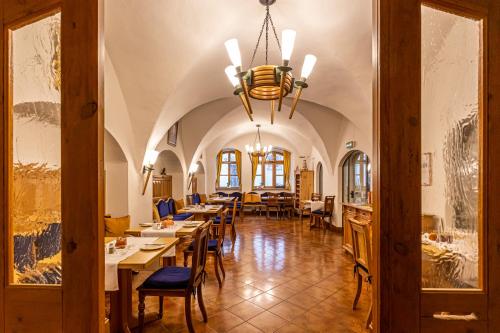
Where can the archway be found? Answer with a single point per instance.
(168, 168)
(116, 177)
(355, 178)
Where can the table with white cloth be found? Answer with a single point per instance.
(185, 230)
(313, 205)
(118, 275)
(202, 212)
(220, 200)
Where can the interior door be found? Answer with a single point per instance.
(436, 147)
(51, 236)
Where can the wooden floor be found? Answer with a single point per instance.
(280, 278)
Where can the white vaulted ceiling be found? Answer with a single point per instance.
(168, 56)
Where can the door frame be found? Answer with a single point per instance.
(396, 124)
(80, 304)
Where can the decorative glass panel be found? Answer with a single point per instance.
(258, 181)
(356, 177)
(451, 164)
(279, 157)
(35, 146)
(225, 157)
(234, 181)
(232, 157)
(224, 170)
(270, 157)
(223, 181)
(233, 169)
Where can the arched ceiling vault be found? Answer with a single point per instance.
(169, 56)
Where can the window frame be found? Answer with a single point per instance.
(229, 175)
(262, 174)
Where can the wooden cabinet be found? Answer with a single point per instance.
(360, 213)
(162, 187)
(304, 186)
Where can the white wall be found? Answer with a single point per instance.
(116, 169)
(169, 160)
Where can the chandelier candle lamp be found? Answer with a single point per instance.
(267, 82)
(257, 149)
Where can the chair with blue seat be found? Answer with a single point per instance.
(173, 281)
(163, 210)
(222, 194)
(196, 199)
(238, 202)
(230, 220)
(173, 211)
(214, 247)
(323, 214)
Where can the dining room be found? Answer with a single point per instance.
(244, 168)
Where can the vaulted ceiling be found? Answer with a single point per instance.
(168, 56)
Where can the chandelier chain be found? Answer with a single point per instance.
(265, 24)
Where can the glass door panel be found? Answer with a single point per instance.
(35, 152)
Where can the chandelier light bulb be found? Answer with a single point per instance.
(151, 156)
(307, 68)
(257, 146)
(287, 43)
(231, 75)
(233, 50)
(251, 149)
(270, 149)
(265, 149)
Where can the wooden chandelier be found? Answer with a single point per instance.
(267, 82)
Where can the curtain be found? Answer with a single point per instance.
(255, 162)
(286, 167)
(219, 167)
(237, 153)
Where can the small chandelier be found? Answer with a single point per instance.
(267, 82)
(257, 149)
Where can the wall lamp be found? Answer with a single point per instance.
(149, 162)
(192, 170)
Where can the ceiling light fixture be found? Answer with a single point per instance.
(267, 82)
(257, 149)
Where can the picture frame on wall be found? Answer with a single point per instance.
(427, 169)
(172, 134)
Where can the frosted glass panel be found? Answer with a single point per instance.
(35, 146)
(451, 224)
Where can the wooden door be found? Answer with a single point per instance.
(436, 145)
(51, 240)
(194, 185)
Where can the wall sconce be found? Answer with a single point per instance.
(192, 170)
(149, 161)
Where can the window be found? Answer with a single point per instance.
(229, 177)
(356, 178)
(274, 171)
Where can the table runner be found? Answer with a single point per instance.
(111, 261)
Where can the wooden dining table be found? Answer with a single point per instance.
(202, 213)
(220, 200)
(182, 232)
(122, 318)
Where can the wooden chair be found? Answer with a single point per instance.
(326, 212)
(232, 221)
(362, 254)
(214, 247)
(174, 281)
(288, 205)
(307, 211)
(203, 198)
(273, 204)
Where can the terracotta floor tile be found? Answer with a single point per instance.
(245, 328)
(268, 322)
(266, 300)
(279, 271)
(287, 310)
(245, 310)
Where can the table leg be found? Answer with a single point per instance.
(125, 299)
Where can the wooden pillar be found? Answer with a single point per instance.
(396, 165)
(82, 166)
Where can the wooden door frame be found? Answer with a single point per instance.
(396, 147)
(82, 128)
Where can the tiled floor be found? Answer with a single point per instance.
(280, 278)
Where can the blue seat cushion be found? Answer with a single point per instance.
(182, 217)
(169, 277)
(171, 206)
(318, 211)
(212, 245)
(229, 220)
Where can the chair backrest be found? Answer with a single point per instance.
(162, 208)
(179, 204)
(199, 258)
(272, 199)
(203, 198)
(361, 244)
(171, 206)
(329, 204)
(316, 197)
(196, 199)
(221, 194)
(222, 229)
(189, 199)
(235, 208)
(236, 195)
